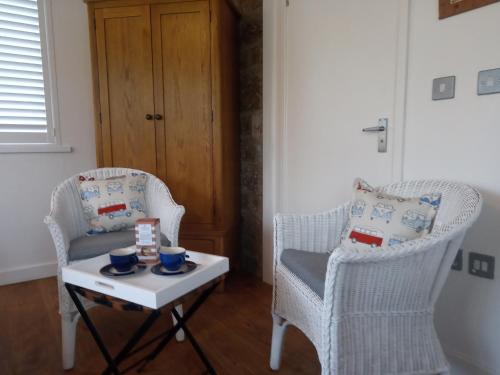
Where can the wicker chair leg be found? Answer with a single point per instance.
(279, 328)
(68, 330)
(179, 336)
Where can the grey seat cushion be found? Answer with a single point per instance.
(91, 246)
(307, 266)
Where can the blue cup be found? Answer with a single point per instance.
(123, 259)
(172, 258)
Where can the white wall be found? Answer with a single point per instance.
(454, 139)
(273, 111)
(458, 139)
(26, 249)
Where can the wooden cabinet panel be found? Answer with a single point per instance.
(124, 56)
(181, 44)
(204, 246)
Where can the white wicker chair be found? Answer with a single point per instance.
(376, 316)
(67, 222)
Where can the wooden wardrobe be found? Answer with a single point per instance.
(166, 99)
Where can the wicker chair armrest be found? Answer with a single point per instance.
(403, 279)
(162, 206)
(60, 237)
(316, 232)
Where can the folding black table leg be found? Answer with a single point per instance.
(143, 329)
(92, 329)
(194, 307)
(195, 344)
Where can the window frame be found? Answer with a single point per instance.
(53, 140)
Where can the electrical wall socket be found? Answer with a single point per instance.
(482, 265)
(458, 262)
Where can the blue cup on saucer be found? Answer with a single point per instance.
(172, 258)
(123, 259)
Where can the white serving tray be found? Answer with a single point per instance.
(145, 288)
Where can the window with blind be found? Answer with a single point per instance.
(23, 89)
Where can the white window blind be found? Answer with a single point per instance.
(23, 114)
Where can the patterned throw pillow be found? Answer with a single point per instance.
(380, 220)
(113, 204)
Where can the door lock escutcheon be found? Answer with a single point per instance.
(381, 129)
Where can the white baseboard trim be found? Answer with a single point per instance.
(26, 273)
(479, 368)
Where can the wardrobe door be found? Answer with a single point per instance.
(181, 45)
(125, 71)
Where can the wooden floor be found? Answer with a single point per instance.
(233, 327)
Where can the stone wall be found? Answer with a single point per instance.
(251, 134)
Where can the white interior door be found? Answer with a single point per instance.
(341, 66)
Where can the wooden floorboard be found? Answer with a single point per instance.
(233, 327)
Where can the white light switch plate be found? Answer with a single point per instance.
(488, 82)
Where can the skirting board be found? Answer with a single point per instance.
(479, 369)
(33, 272)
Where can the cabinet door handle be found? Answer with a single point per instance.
(149, 117)
(158, 116)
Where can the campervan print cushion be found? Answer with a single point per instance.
(113, 204)
(379, 220)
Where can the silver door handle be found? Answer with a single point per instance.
(374, 129)
(381, 129)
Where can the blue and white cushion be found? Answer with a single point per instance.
(379, 220)
(113, 204)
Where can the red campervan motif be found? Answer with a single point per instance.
(111, 208)
(368, 236)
